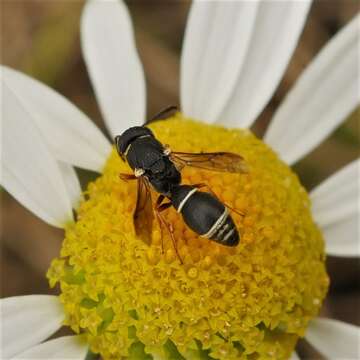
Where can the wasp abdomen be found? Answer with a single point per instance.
(205, 215)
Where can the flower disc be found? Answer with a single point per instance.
(249, 302)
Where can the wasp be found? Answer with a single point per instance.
(156, 166)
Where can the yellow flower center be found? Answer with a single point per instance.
(248, 302)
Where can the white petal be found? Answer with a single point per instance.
(334, 339)
(29, 171)
(158, 355)
(113, 63)
(335, 205)
(294, 356)
(28, 320)
(72, 183)
(325, 94)
(70, 134)
(277, 28)
(342, 238)
(338, 196)
(216, 41)
(66, 347)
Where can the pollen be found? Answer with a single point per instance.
(137, 300)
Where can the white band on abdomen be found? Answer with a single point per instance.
(217, 225)
(185, 199)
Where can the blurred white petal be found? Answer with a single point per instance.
(158, 355)
(71, 135)
(334, 339)
(294, 356)
(216, 41)
(30, 173)
(113, 63)
(342, 238)
(28, 320)
(325, 94)
(72, 183)
(335, 205)
(66, 347)
(277, 28)
(338, 196)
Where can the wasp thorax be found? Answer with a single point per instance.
(248, 301)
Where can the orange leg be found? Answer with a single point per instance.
(201, 185)
(159, 207)
(127, 177)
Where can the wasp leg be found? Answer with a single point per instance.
(201, 185)
(159, 200)
(159, 207)
(127, 177)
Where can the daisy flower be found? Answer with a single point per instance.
(129, 299)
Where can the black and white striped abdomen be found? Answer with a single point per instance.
(223, 230)
(205, 215)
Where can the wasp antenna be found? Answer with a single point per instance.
(163, 112)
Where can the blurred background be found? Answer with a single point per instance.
(41, 38)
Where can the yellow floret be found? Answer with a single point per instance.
(248, 302)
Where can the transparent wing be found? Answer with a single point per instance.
(217, 161)
(143, 215)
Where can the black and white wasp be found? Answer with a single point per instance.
(156, 166)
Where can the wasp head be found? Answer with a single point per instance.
(124, 140)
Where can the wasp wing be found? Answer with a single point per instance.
(143, 215)
(216, 161)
